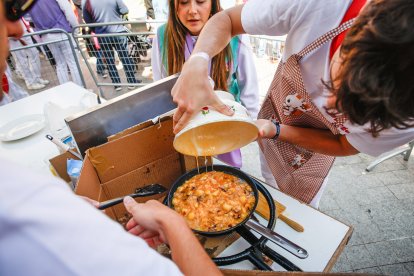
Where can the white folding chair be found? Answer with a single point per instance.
(404, 150)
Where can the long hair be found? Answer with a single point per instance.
(375, 80)
(174, 40)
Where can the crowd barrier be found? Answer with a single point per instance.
(117, 61)
(44, 59)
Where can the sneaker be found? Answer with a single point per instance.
(118, 88)
(35, 86)
(43, 81)
(132, 87)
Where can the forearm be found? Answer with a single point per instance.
(316, 140)
(214, 37)
(218, 31)
(186, 250)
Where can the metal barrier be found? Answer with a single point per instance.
(116, 60)
(41, 60)
(270, 46)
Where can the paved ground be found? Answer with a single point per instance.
(379, 205)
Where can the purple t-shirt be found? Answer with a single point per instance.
(47, 15)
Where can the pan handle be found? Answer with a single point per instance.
(277, 239)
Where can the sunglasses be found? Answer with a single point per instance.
(15, 9)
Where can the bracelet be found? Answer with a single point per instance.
(203, 55)
(277, 124)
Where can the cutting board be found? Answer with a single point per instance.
(263, 210)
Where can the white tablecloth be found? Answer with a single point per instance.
(35, 151)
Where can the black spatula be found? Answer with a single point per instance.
(149, 190)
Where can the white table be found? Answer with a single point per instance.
(35, 151)
(324, 237)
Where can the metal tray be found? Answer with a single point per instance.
(91, 128)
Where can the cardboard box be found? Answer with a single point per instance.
(134, 158)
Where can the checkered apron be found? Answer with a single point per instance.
(298, 172)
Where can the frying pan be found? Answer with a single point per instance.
(248, 221)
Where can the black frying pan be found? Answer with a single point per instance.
(248, 221)
(220, 168)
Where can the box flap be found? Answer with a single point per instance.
(164, 171)
(133, 151)
(138, 127)
(88, 182)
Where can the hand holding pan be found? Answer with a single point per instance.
(248, 221)
(149, 190)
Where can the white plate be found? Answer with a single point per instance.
(22, 127)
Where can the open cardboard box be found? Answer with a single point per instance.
(132, 159)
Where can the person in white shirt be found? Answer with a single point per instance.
(332, 95)
(45, 229)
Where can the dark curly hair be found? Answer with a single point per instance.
(375, 83)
